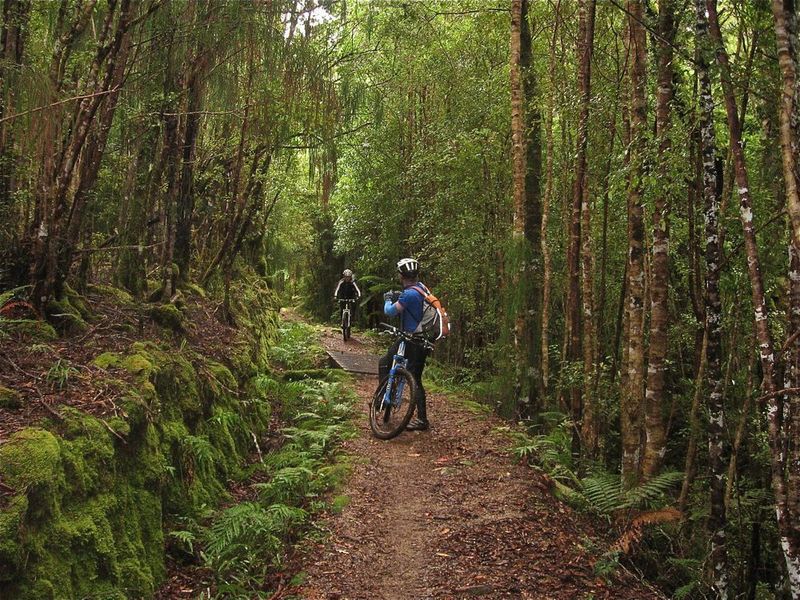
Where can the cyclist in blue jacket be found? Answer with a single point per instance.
(409, 305)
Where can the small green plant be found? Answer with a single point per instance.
(607, 565)
(199, 453)
(60, 373)
(551, 451)
(185, 539)
(38, 348)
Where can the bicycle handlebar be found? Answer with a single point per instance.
(409, 337)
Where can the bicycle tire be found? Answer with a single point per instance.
(389, 422)
(345, 326)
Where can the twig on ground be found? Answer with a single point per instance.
(50, 409)
(20, 369)
(119, 435)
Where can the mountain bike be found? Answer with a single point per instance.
(346, 313)
(394, 401)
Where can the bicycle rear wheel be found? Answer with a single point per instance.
(387, 421)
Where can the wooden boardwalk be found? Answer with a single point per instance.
(365, 364)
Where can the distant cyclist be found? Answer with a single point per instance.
(347, 289)
(409, 305)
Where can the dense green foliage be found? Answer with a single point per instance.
(176, 148)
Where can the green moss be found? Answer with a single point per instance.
(107, 360)
(10, 399)
(87, 451)
(30, 458)
(217, 383)
(11, 523)
(65, 317)
(120, 425)
(87, 517)
(194, 288)
(167, 315)
(78, 302)
(38, 331)
(339, 503)
(43, 589)
(137, 364)
(119, 295)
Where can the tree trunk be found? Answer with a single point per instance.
(51, 244)
(590, 427)
(689, 467)
(184, 210)
(16, 14)
(713, 309)
(787, 529)
(518, 254)
(573, 316)
(655, 438)
(548, 195)
(784, 12)
(533, 386)
(631, 398)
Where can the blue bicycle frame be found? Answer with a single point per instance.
(400, 360)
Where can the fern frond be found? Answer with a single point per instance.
(603, 492)
(652, 490)
(635, 530)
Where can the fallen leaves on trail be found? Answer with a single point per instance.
(445, 514)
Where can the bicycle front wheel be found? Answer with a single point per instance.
(388, 419)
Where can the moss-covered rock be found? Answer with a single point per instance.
(30, 458)
(29, 329)
(194, 289)
(119, 295)
(107, 360)
(167, 315)
(139, 363)
(10, 399)
(12, 518)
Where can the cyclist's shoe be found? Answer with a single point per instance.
(417, 425)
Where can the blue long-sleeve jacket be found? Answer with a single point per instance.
(409, 306)
(391, 308)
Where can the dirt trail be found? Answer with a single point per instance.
(447, 514)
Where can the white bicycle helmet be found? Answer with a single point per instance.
(408, 267)
(347, 273)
